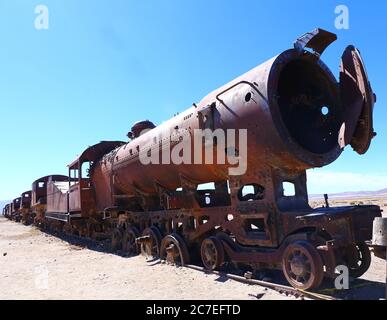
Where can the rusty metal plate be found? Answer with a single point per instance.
(317, 40)
(358, 101)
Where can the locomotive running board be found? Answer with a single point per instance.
(65, 217)
(57, 216)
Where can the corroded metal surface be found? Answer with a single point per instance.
(379, 240)
(380, 232)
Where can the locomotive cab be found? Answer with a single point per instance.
(15, 213)
(80, 185)
(25, 207)
(41, 196)
(6, 210)
(82, 198)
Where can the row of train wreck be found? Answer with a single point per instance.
(298, 117)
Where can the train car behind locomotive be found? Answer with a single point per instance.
(39, 197)
(15, 209)
(25, 208)
(7, 210)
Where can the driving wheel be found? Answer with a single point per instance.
(212, 253)
(116, 243)
(129, 242)
(150, 242)
(302, 265)
(174, 250)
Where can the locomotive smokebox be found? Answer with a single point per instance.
(305, 109)
(296, 110)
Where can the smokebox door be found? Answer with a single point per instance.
(317, 40)
(358, 101)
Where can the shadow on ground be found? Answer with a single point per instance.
(359, 289)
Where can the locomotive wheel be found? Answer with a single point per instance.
(93, 229)
(212, 253)
(358, 259)
(116, 243)
(174, 250)
(67, 229)
(151, 247)
(25, 221)
(302, 265)
(129, 242)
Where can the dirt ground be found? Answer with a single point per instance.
(35, 265)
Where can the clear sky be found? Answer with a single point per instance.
(104, 64)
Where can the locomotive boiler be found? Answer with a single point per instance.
(251, 210)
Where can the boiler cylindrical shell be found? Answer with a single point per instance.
(277, 102)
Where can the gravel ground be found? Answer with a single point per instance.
(36, 265)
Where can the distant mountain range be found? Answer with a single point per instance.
(352, 195)
(343, 195)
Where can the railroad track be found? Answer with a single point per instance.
(277, 287)
(283, 289)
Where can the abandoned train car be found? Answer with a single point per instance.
(39, 196)
(25, 208)
(15, 209)
(7, 211)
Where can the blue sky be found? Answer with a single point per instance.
(103, 65)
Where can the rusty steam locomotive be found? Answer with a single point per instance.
(297, 117)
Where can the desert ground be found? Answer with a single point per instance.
(336, 202)
(36, 265)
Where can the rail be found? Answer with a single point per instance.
(277, 287)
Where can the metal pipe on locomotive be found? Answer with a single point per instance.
(297, 117)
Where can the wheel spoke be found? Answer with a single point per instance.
(212, 253)
(302, 265)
